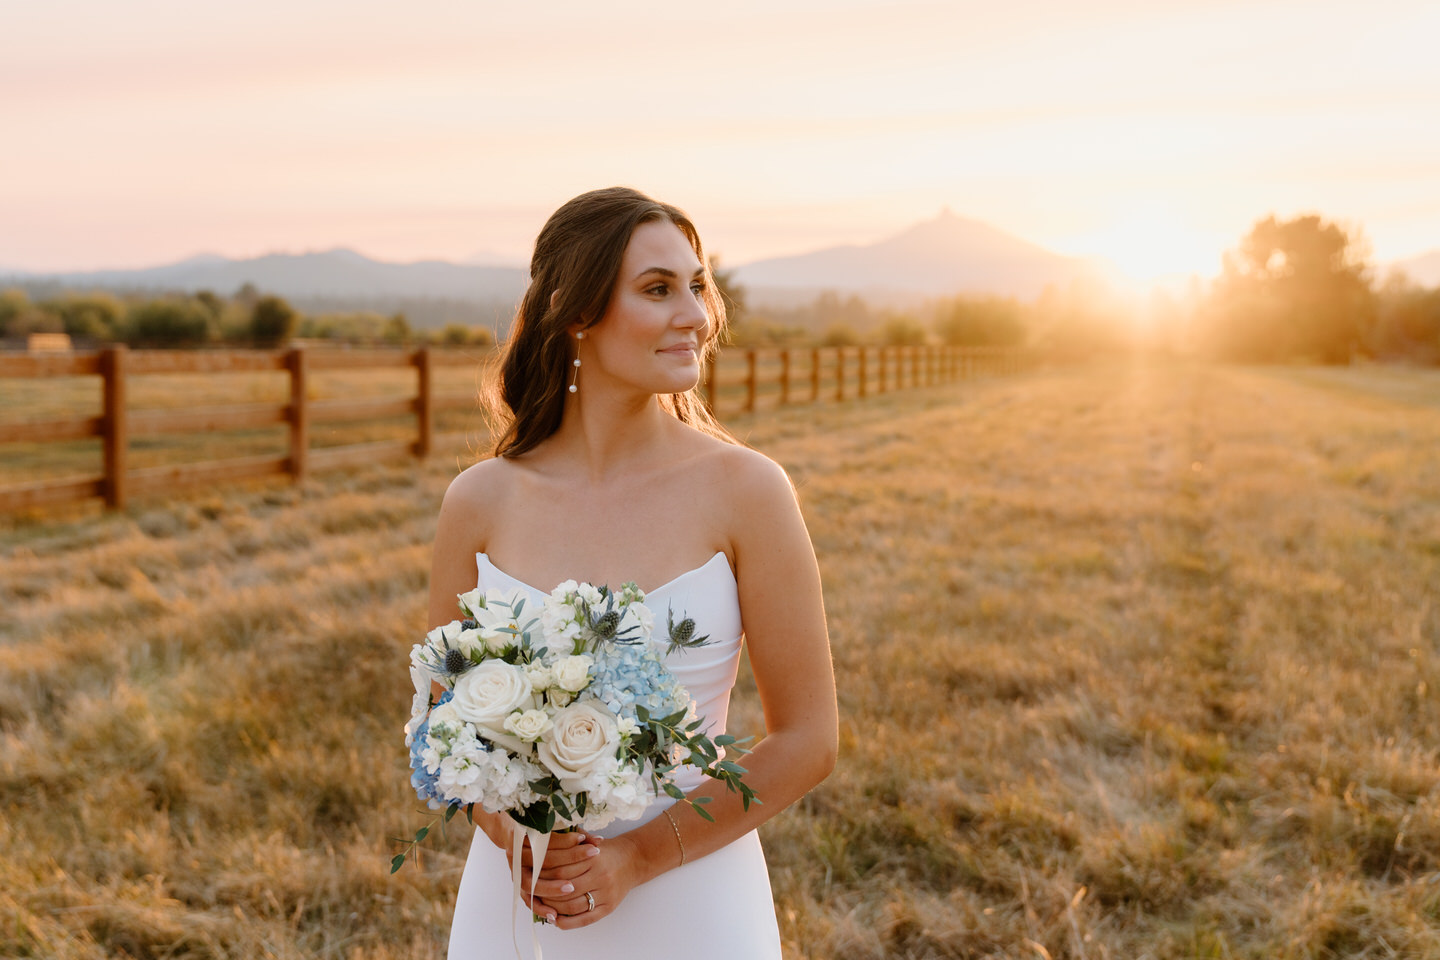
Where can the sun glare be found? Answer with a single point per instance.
(1150, 246)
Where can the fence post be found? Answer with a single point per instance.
(882, 370)
(815, 375)
(862, 373)
(425, 407)
(784, 377)
(116, 440)
(749, 381)
(299, 413)
(839, 374)
(914, 366)
(710, 369)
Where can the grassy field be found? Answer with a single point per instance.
(1134, 662)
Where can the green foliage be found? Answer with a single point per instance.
(840, 335)
(92, 316)
(902, 330)
(757, 330)
(19, 317)
(13, 302)
(1294, 289)
(348, 327)
(272, 322)
(460, 335)
(210, 302)
(981, 322)
(397, 329)
(174, 322)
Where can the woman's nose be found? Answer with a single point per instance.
(693, 313)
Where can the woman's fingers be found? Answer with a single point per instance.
(581, 854)
(561, 874)
(551, 890)
(564, 848)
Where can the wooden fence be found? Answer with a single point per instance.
(770, 378)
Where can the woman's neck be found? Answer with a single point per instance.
(604, 432)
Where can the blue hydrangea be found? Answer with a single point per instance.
(426, 784)
(627, 676)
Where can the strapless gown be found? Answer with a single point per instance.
(718, 907)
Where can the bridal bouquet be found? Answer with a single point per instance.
(562, 718)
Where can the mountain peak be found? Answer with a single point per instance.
(945, 255)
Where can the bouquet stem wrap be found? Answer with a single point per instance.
(539, 843)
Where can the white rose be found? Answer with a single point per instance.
(558, 697)
(541, 676)
(528, 724)
(473, 602)
(469, 642)
(573, 673)
(488, 693)
(583, 737)
(443, 636)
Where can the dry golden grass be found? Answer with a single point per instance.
(1133, 662)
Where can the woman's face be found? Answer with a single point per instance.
(652, 332)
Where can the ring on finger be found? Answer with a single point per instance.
(590, 899)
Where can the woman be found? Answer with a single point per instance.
(611, 470)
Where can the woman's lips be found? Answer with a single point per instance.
(680, 350)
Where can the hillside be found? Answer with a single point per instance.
(946, 255)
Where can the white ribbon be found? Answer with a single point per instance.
(539, 843)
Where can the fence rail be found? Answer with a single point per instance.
(769, 378)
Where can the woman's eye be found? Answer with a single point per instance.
(697, 288)
(658, 290)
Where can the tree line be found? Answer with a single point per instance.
(1296, 290)
(1292, 290)
(246, 318)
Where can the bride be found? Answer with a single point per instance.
(609, 469)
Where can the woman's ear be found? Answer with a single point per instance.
(553, 296)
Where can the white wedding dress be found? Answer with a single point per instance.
(718, 907)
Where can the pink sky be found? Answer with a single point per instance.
(1152, 134)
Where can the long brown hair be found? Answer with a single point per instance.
(578, 253)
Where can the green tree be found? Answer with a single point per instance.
(981, 321)
(272, 322)
(19, 317)
(90, 316)
(397, 329)
(840, 335)
(169, 323)
(902, 330)
(1293, 289)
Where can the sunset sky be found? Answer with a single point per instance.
(1153, 134)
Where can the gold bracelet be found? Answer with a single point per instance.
(677, 835)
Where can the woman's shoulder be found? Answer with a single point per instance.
(748, 478)
(476, 495)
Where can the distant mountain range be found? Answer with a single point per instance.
(339, 274)
(946, 255)
(941, 256)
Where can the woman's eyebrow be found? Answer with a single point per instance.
(666, 272)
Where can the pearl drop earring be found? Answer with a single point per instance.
(575, 379)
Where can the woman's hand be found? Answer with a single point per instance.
(602, 868)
